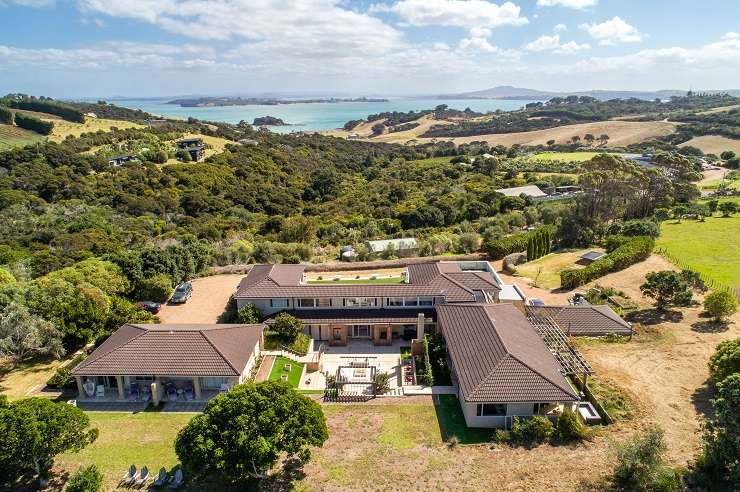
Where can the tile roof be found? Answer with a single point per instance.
(588, 320)
(499, 357)
(173, 350)
(358, 316)
(529, 190)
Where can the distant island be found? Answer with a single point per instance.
(268, 121)
(524, 94)
(198, 102)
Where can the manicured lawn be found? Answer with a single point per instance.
(564, 156)
(143, 439)
(380, 280)
(549, 267)
(294, 375)
(25, 378)
(709, 247)
(452, 422)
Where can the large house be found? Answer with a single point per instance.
(164, 362)
(338, 312)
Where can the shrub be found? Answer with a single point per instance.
(629, 253)
(424, 374)
(250, 314)
(613, 242)
(6, 277)
(6, 116)
(155, 288)
(87, 479)
(640, 464)
(640, 228)
(63, 378)
(569, 427)
(382, 382)
(498, 248)
(287, 326)
(725, 360)
(531, 431)
(694, 280)
(720, 304)
(667, 288)
(34, 124)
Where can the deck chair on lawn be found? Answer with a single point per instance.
(143, 477)
(129, 477)
(177, 479)
(161, 479)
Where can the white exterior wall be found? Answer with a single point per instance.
(514, 409)
(262, 304)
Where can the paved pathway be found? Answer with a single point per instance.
(265, 368)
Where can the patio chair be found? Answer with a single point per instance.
(161, 479)
(143, 477)
(100, 391)
(89, 388)
(177, 479)
(171, 392)
(133, 392)
(146, 393)
(129, 477)
(189, 392)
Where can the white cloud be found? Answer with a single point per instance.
(574, 4)
(731, 35)
(560, 28)
(613, 31)
(28, 3)
(547, 43)
(458, 13)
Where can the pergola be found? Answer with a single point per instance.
(355, 377)
(570, 360)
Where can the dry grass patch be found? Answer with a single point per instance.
(545, 272)
(62, 129)
(26, 379)
(713, 144)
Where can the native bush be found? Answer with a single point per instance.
(64, 112)
(6, 116)
(531, 431)
(569, 427)
(725, 360)
(88, 479)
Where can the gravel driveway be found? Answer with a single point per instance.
(209, 299)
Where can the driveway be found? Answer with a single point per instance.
(209, 299)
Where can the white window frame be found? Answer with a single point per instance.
(481, 406)
(275, 304)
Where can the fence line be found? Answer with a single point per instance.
(708, 281)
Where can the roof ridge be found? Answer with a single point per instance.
(462, 286)
(490, 373)
(226, 359)
(542, 375)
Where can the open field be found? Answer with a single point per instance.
(713, 144)
(63, 128)
(709, 247)
(546, 270)
(143, 439)
(564, 156)
(620, 133)
(12, 136)
(721, 109)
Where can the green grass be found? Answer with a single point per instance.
(564, 156)
(145, 438)
(12, 136)
(452, 422)
(546, 270)
(709, 247)
(405, 428)
(294, 375)
(616, 403)
(714, 184)
(380, 280)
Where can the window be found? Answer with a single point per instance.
(491, 410)
(278, 303)
(337, 334)
(426, 301)
(395, 301)
(411, 301)
(306, 303)
(359, 301)
(324, 302)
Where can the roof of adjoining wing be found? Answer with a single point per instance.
(588, 320)
(499, 357)
(426, 279)
(173, 350)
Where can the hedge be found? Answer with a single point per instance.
(499, 248)
(64, 112)
(6, 116)
(636, 250)
(33, 124)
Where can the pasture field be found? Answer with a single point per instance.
(62, 129)
(564, 156)
(12, 136)
(545, 271)
(713, 144)
(710, 247)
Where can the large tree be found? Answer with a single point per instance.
(725, 360)
(24, 335)
(718, 465)
(667, 288)
(242, 433)
(35, 430)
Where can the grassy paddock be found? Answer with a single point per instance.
(26, 378)
(12, 136)
(551, 265)
(62, 129)
(709, 247)
(564, 156)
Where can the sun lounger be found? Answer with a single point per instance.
(129, 477)
(100, 391)
(133, 393)
(189, 393)
(161, 479)
(143, 477)
(177, 479)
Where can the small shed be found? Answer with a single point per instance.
(591, 256)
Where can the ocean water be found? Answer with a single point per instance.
(312, 116)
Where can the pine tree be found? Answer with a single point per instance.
(530, 249)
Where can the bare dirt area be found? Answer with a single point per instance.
(620, 133)
(209, 299)
(713, 144)
(713, 175)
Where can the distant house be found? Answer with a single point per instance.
(406, 246)
(194, 146)
(248, 141)
(590, 257)
(120, 159)
(91, 115)
(529, 190)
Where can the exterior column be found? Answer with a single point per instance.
(196, 388)
(420, 326)
(155, 392)
(119, 383)
(80, 389)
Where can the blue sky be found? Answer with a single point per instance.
(74, 48)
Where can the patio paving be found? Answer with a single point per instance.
(112, 406)
(385, 357)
